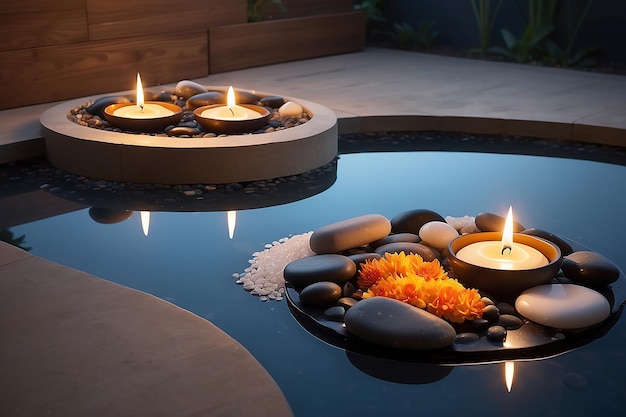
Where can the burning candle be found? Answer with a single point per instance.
(504, 254)
(141, 115)
(141, 109)
(231, 111)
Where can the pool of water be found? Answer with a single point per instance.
(188, 259)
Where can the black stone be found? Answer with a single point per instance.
(98, 106)
(347, 302)
(565, 247)
(329, 267)
(182, 131)
(489, 222)
(496, 333)
(335, 313)
(510, 322)
(321, 293)
(590, 268)
(205, 99)
(480, 324)
(272, 101)
(349, 289)
(359, 258)
(506, 308)
(426, 252)
(491, 313)
(411, 221)
(397, 237)
(466, 338)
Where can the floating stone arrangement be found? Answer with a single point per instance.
(322, 289)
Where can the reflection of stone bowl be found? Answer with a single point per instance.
(500, 282)
(232, 126)
(155, 124)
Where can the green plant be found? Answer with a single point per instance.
(255, 8)
(529, 47)
(372, 8)
(406, 36)
(6, 235)
(484, 21)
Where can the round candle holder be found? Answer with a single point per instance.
(500, 282)
(227, 127)
(152, 124)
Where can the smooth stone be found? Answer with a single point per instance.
(290, 109)
(510, 322)
(350, 233)
(489, 222)
(491, 313)
(244, 97)
(108, 216)
(480, 324)
(397, 237)
(506, 308)
(590, 268)
(565, 247)
(563, 306)
(335, 313)
(321, 293)
(437, 234)
(306, 271)
(496, 333)
(348, 289)
(392, 323)
(163, 96)
(204, 99)
(466, 338)
(272, 101)
(347, 302)
(411, 221)
(187, 88)
(427, 253)
(182, 131)
(360, 258)
(98, 106)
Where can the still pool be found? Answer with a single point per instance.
(574, 191)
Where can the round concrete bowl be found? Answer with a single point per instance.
(503, 282)
(142, 158)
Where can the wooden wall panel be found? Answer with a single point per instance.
(301, 8)
(34, 23)
(40, 75)
(123, 18)
(255, 44)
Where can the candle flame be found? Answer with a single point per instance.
(140, 99)
(509, 373)
(232, 221)
(507, 234)
(230, 99)
(145, 222)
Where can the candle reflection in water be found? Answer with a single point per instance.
(231, 218)
(509, 373)
(145, 222)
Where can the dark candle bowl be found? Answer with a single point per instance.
(154, 124)
(220, 126)
(498, 282)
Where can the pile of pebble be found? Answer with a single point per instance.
(190, 95)
(323, 274)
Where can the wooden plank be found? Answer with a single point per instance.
(122, 18)
(41, 75)
(282, 40)
(302, 8)
(34, 23)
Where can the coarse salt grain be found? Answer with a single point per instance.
(264, 276)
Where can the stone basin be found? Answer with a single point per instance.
(141, 158)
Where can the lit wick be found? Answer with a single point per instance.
(231, 111)
(505, 247)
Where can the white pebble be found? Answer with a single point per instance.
(290, 109)
(437, 234)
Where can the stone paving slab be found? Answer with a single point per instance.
(76, 345)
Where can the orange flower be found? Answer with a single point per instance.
(422, 284)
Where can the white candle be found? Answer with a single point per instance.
(504, 254)
(148, 111)
(489, 254)
(231, 111)
(142, 110)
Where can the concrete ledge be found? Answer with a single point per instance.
(76, 345)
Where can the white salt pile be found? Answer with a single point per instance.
(264, 276)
